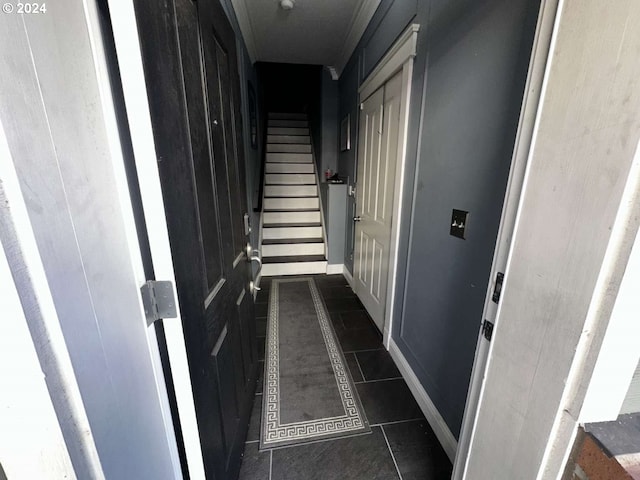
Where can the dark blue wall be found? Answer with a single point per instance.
(468, 82)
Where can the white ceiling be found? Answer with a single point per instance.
(321, 32)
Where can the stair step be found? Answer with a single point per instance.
(287, 241)
(288, 249)
(312, 217)
(287, 116)
(287, 123)
(288, 148)
(288, 139)
(289, 179)
(294, 258)
(291, 224)
(293, 268)
(269, 233)
(291, 204)
(289, 168)
(289, 157)
(290, 191)
(287, 131)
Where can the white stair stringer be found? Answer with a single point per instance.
(292, 234)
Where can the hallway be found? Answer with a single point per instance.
(401, 444)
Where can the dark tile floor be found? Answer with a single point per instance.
(401, 444)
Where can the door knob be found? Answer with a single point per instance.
(357, 219)
(256, 258)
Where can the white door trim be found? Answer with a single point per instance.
(402, 51)
(399, 57)
(534, 87)
(125, 33)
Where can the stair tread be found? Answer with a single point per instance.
(291, 241)
(289, 225)
(290, 163)
(290, 210)
(294, 259)
(280, 196)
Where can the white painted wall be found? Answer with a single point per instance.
(31, 443)
(31, 440)
(620, 352)
(56, 108)
(576, 223)
(631, 402)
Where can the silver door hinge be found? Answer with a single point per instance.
(158, 300)
(362, 106)
(247, 224)
(497, 289)
(487, 329)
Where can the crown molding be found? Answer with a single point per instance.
(242, 15)
(361, 18)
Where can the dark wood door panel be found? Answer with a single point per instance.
(190, 67)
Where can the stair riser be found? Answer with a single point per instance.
(287, 131)
(298, 268)
(289, 179)
(287, 123)
(289, 168)
(288, 148)
(290, 191)
(291, 203)
(290, 217)
(292, 232)
(287, 116)
(289, 157)
(288, 139)
(287, 249)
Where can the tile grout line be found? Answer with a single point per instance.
(396, 422)
(391, 452)
(378, 379)
(365, 350)
(270, 463)
(364, 379)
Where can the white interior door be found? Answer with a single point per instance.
(377, 158)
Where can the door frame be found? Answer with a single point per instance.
(527, 128)
(126, 38)
(399, 58)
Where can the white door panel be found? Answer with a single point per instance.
(377, 158)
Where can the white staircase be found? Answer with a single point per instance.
(292, 237)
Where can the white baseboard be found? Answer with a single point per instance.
(439, 426)
(347, 275)
(335, 269)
